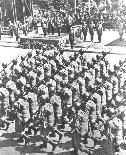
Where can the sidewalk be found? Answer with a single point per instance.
(7, 41)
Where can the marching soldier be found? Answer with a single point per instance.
(4, 107)
(79, 127)
(47, 70)
(47, 112)
(58, 80)
(23, 115)
(32, 81)
(66, 104)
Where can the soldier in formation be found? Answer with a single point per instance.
(49, 91)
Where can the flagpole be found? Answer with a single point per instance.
(75, 5)
(105, 5)
(89, 6)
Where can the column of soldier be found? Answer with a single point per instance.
(46, 93)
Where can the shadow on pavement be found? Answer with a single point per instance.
(106, 148)
(8, 143)
(10, 135)
(117, 42)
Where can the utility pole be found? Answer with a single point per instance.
(89, 6)
(75, 5)
(14, 11)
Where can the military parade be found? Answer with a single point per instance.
(55, 91)
(48, 91)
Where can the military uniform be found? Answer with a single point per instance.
(99, 31)
(66, 104)
(71, 37)
(23, 117)
(84, 30)
(48, 114)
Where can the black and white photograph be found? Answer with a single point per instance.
(62, 77)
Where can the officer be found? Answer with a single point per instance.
(99, 30)
(71, 37)
(84, 30)
(44, 25)
(91, 31)
(52, 25)
(58, 25)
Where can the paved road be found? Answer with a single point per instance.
(8, 145)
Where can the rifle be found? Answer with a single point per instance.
(119, 112)
(9, 63)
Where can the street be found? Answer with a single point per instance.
(9, 50)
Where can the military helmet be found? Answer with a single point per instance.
(29, 54)
(11, 85)
(98, 81)
(4, 65)
(14, 61)
(23, 58)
